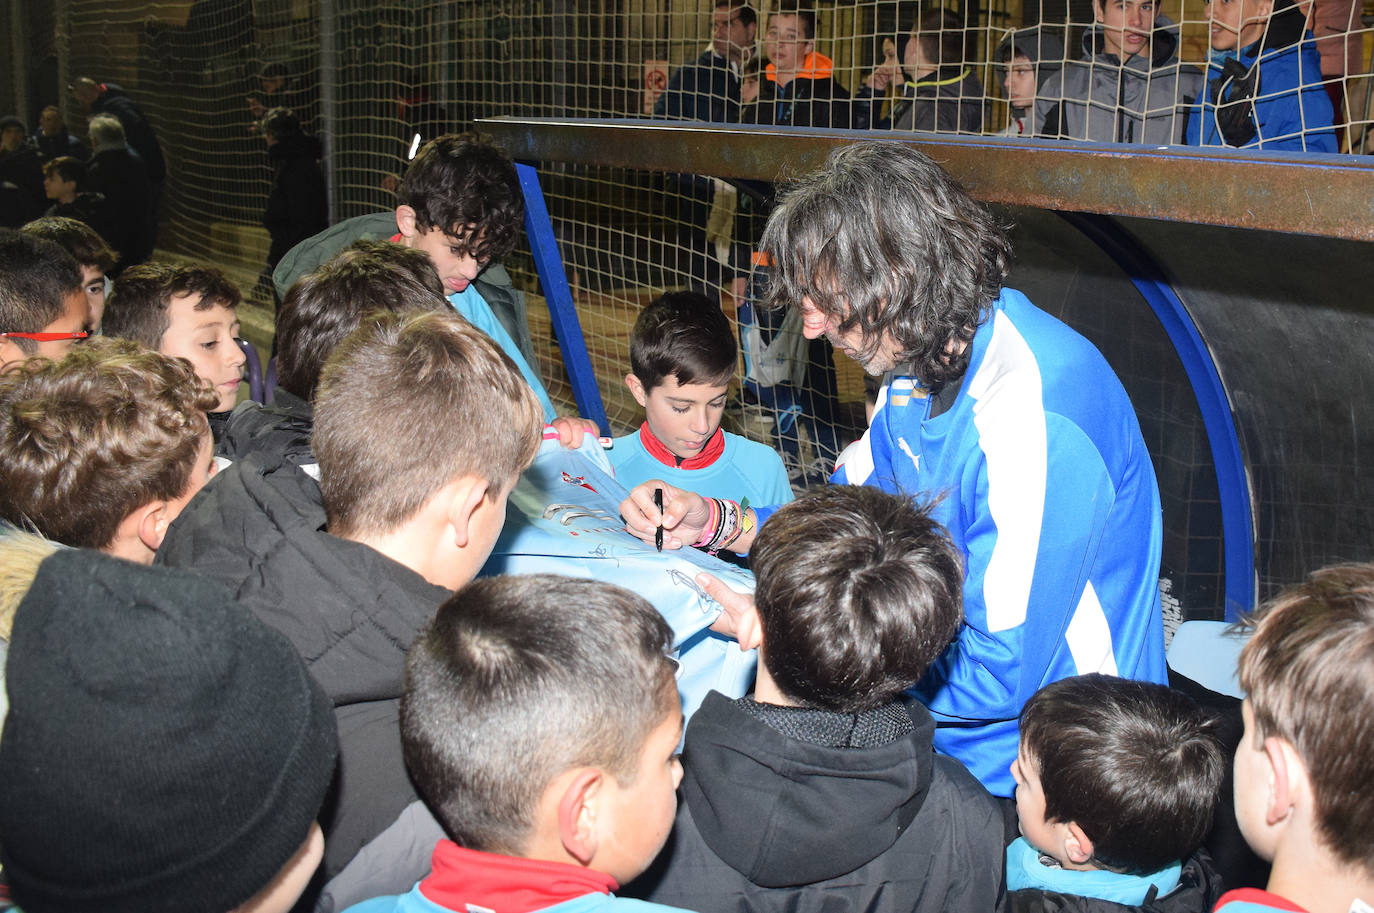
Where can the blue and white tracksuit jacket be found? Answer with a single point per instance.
(1046, 486)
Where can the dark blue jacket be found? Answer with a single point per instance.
(705, 89)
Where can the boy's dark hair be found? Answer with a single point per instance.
(941, 34)
(138, 303)
(508, 688)
(76, 238)
(279, 123)
(1136, 765)
(466, 187)
(744, 11)
(408, 403)
(683, 335)
(328, 304)
(858, 591)
(1308, 673)
(68, 169)
(857, 238)
(87, 440)
(805, 13)
(36, 278)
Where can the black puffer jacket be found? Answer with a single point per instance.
(350, 611)
(775, 822)
(280, 429)
(1198, 890)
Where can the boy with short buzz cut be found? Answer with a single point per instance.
(186, 311)
(1303, 795)
(683, 354)
(321, 309)
(104, 448)
(460, 203)
(1116, 784)
(42, 307)
(408, 505)
(92, 254)
(823, 790)
(545, 741)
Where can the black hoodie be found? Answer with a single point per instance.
(775, 822)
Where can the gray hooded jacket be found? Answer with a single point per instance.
(1099, 98)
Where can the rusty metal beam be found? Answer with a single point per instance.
(1325, 195)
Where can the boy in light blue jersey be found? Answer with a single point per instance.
(1116, 784)
(1007, 416)
(682, 356)
(460, 203)
(545, 742)
(1303, 796)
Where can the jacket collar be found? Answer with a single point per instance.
(463, 879)
(656, 449)
(815, 66)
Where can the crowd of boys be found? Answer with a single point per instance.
(226, 688)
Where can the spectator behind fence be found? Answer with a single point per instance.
(224, 746)
(408, 505)
(52, 138)
(545, 740)
(276, 87)
(1029, 57)
(298, 204)
(1011, 417)
(104, 448)
(122, 178)
(1264, 84)
(109, 98)
(42, 306)
(319, 311)
(799, 87)
(92, 254)
(65, 183)
(190, 312)
(460, 203)
(683, 356)
(1116, 785)
(937, 88)
(21, 175)
(1128, 87)
(1303, 795)
(708, 88)
(858, 592)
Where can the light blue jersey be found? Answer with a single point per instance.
(470, 303)
(745, 469)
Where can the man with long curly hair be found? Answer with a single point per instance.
(1011, 421)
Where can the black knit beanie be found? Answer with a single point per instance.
(164, 749)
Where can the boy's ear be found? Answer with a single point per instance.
(637, 390)
(1287, 779)
(1097, 10)
(149, 522)
(405, 221)
(577, 814)
(467, 496)
(1078, 849)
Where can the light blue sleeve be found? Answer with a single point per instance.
(474, 307)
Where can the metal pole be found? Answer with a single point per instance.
(329, 102)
